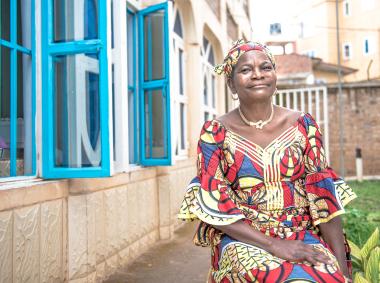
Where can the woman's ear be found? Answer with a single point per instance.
(231, 85)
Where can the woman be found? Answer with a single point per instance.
(269, 204)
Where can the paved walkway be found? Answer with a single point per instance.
(169, 262)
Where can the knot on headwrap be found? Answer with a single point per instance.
(238, 48)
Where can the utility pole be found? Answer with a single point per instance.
(340, 96)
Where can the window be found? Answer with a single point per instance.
(368, 46)
(179, 95)
(346, 8)
(310, 53)
(347, 51)
(148, 103)
(153, 83)
(17, 89)
(75, 89)
(209, 81)
(275, 29)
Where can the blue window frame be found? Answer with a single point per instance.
(133, 125)
(17, 89)
(75, 89)
(153, 86)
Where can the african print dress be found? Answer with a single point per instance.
(283, 190)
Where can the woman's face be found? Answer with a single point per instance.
(254, 77)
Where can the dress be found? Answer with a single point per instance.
(283, 190)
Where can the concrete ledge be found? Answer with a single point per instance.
(20, 194)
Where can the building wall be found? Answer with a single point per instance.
(361, 127)
(353, 30)
(82, 230)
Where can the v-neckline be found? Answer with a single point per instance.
(295, 125)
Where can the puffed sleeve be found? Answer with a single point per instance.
(209, 197)
(326, 191)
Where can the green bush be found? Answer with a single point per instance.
(358, 225)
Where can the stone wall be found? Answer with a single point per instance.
(361, 127)
(83, 230)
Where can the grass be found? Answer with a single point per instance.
(363, 214)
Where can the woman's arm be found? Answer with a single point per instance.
(292, 250)
(332, 233)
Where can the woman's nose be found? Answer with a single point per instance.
(257, 73)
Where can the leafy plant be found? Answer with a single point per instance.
(366, 260)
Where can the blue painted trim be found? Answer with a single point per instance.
(16, 46)
(13, 91)
(83, 46)
(158, 84)
(136, 147)
(33, 40)
(50, 49)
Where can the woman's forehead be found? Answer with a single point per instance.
(253, 57)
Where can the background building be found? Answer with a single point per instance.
(101, 105)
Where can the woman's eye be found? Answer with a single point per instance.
(267, 68)
(245, 70)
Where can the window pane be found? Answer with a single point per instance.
(180, 71)
(131, 48)
(182, 118)
(178, 25)
(24, 115)
(155, 121)
(205, 91)
(24, 23)
(75, 20)
(77, 113)
(206, 116)
(154, 53)
(5, 19)
(133, 131)
(213, 90)
(5, 105)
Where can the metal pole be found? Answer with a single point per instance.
(340, 95)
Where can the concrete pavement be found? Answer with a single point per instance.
(178, 260)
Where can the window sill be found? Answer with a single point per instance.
(17, 194)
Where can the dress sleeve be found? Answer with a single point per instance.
(326, 191)
(209, 197)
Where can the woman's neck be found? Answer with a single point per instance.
(257, 111)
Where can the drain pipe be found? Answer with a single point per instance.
(340, 96)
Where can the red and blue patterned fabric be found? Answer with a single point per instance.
(283, 190)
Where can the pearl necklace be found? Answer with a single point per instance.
(259, 124)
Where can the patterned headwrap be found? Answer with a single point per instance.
(239, 48)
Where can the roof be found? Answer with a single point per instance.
(297, 65)
(293, 65)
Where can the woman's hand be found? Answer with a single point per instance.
(295, 250)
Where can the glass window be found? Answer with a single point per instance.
(75, 20)
(76, 90)
(75, 94)
(17, 148)
(133, 131)
(154, 67)
(5, 27)
(347, 51)
(346, 8)
(209, 80)
(155, 146)
(155, 120)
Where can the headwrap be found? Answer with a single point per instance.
(239, 48)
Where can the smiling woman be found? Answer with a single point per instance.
(264, 193)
